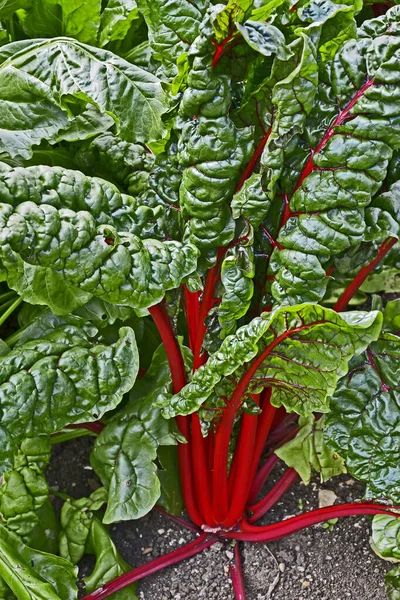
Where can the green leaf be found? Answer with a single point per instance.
(45, 535)
(363, 425)
(307, 452)
(383, 215)
(352, 132)
(124, 453)
(109, 563)
(386, 536)
(95, 259)
(24, 490)
(391, 316)
(392, 581)
(226, 17)
(77, 19)
(251, 202)
(173, 26)
(61, 378)
(300, 352)
(265, 38)
(34, 575)
(76, 521)
(45, 84)
(171, 494)
(116, 20)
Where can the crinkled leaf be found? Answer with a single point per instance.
(251, 202)
(386, 536)
(34, 575)
(364, 423)
(24, 490)
(95, 259)
(61, 378)
(124, 453)
(383, 215)
(226, 16)
(173, 27)
(352, 133)
(45, 83)
(391, 316)
(300, 352)
(392, 581)
(308, 452)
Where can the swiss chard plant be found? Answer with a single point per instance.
(198, 205)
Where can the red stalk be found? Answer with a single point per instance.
(262, 476)
(242, 474)
(200, 471)
(342, 116)
(177, 519)
(273, 495)
(254, 160)
(264, 426)
(276, 531)
(219, 49)
(192, 314)
(357, 282)
(96, 426)
(220, 484)
(194, 547)
(236, 572)
(178, 374)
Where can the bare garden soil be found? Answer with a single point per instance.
(316, 564)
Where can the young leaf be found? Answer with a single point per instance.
(34, 575)
(363, 425)
(124, 453)
(300, 352)
(265, 39)
(307, 452)
(53, 80)
(61, 378)
(115, 20)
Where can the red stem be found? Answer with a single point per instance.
(357, 282)
(96, 426)
(220, 484)
(192, 314)
(178, 375)
(200, 471)
(177, 519)
(236, 572)
(273, 495)
(243, 472)
(342, 116)
(263, 429)
(219, 49)
(194, 547)
(262, 476)
(254, 160)
(276, 531)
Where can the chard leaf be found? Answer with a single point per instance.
(173, 27)
(364, 423)
(383, 215)
(76, 521)
(212, 151)
(44, 83)
(251, 202)
(124, 453)
(392, 580)
(61, 378)
(352, 134)
(171, 495)
(308, 452)
(225, 18)
(34, 575)
(386, 536)
(300, 352)
(77, 19)
(115, 20)
(94, 259)
(24, 490)
(109, 562)
(265, 38)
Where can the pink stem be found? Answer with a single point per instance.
(262, 477)
(236, 572)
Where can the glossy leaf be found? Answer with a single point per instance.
(264, 38)
(307, 452)
(62, 378)
(81, 72)
(94, 259)
(124, 453)
(363, 425)
(116, 19)
(306, 350)
(34, 575)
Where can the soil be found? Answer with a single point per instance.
(315, 564)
